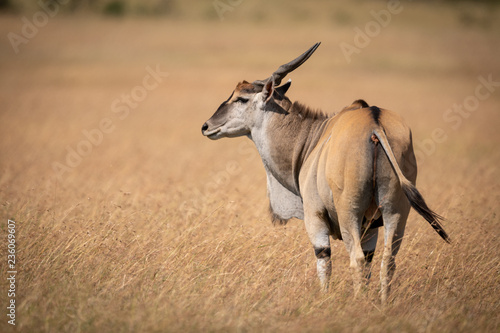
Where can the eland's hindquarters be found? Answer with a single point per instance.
(365, 186)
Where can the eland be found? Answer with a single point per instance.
(345, 175)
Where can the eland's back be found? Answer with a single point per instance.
(345, 175)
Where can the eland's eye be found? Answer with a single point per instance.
(242, 100)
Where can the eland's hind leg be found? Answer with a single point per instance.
(394, 228)
(350, 227)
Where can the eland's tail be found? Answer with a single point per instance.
(414, 197)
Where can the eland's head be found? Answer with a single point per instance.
(244, 109)
(345, 175)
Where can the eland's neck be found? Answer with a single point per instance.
(285, 140)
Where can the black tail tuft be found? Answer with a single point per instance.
(418, 203)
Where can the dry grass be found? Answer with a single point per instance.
(159, 229)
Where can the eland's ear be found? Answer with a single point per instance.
(284, 88)
(267, 91)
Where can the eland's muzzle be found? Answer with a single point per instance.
(204, 128)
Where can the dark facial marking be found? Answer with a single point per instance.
(227, 100)
(221, 111)
(242, 100)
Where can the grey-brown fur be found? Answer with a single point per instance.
(335, 173)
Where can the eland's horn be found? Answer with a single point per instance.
(283, 70)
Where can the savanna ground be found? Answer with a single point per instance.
(154, 228)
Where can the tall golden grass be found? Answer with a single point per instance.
(159, 229)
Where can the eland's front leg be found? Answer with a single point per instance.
(319, 235)
(323, 266)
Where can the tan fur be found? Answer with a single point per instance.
(336, 173)
(245, 88)
(357, 104)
